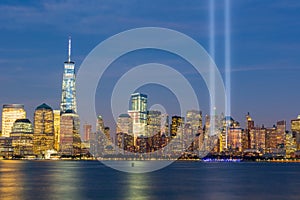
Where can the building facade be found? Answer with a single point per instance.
(22, 138)
(68, 97)
(44, 138)
(10, 113)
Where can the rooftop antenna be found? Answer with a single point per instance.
(69, 51)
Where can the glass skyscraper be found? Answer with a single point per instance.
(138, 113)
(68, 97)
(10, 113)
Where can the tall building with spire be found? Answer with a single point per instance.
(68, 97)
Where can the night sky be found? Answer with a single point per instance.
(265, 51)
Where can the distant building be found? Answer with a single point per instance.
(153, 122)
(295, 128)
(258, 138)
(44, 138)
(70, 142)
(87, 129)
(22, 138)
(177, 126)
(124, 136)
(194, 118)
(10, 113)
(68, 97)
(138, 113)
(6, 148)
(56, 123)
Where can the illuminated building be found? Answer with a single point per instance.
(295, 128)
(6, 149)
(43, 137)
(165, 130)
(56, 123)
(70, 142)
(177, 126)
(194, 118)
(154, 122)
(100, 124)
(234, 139)
(290, 145)
(10, 113)
(22, 137)
(246, 135)
(138, 113)
(258, 138)
(68, 97)
(87, 129)
(124, 135)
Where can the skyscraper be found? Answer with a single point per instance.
(295, 128)
(154, 122)
(177, 126)
(22, 137)
(56, 123)
(194, 119)
(70, 142)
(10, 113)
(138, 113)
(43, 129)
(68, 97)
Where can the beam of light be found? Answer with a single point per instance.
(212, 54)
(227, 61)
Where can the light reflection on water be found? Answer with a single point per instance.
(181, 180)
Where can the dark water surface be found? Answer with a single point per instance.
(181, 180)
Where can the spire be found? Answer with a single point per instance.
(69, 51)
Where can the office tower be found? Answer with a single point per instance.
(295, 128)
(6, 149)
(165, 130)
(271, 144)
(43, 137)
(56, 123)
(258, 138)
(100, 124)
(10, 113)
(68, 97)
(87, 129)
(194, 118)
(177, 126)
(232, 127)
(154, 122)
(70, 142)
(22, 138)
(124, 137)
(234, 138)
(138, 113)
(290, 145)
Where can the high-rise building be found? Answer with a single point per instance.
(70, 142)
(22, 137)
(295, 128)
(87, 128)
(100, 124)
(124, 137)
(258, 138)
(177, 126)
(56, 123)
(194, 118)
(154, 122)
(68, 97)
(10, 113)
(43, 129)
(138, 113)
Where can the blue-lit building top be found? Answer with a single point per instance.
(68, 98)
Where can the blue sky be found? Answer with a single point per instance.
(265, 50)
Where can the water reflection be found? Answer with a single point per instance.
(12, 180)
(137, 186)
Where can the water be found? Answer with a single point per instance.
(181, 180)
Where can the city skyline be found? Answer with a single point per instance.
(32, 58)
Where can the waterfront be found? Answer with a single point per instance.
(180, 180)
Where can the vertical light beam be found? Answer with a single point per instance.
(212, 54)
(227, 62)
